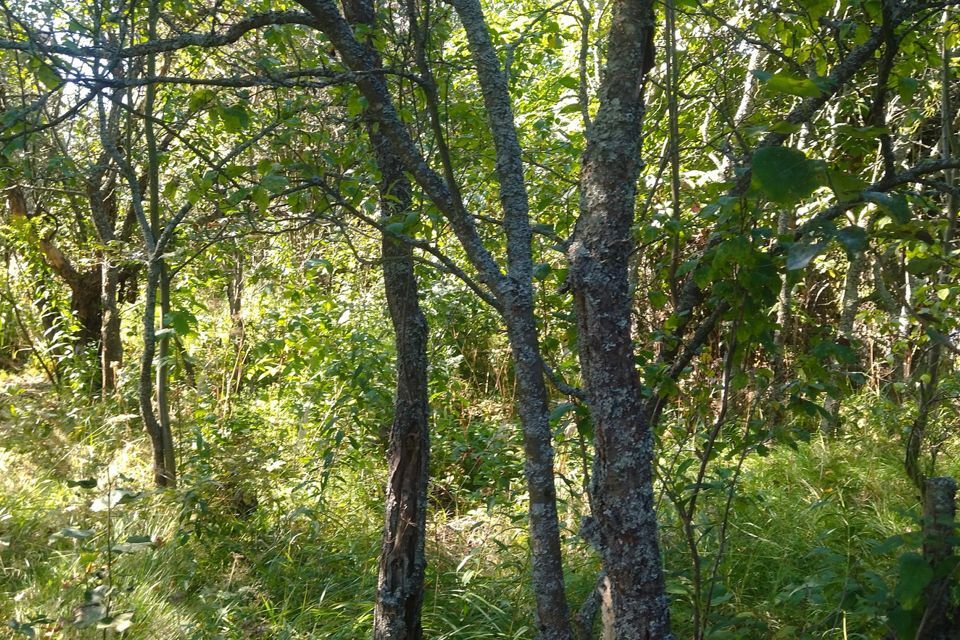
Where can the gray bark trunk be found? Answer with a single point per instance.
(622, 493)
(516, 296)
(939, 512)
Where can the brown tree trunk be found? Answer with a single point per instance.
(622, 492)
(402, 558)
(164, 462)
(111, 346)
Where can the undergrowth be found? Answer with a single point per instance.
(273, 535)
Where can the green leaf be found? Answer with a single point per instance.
(800, 254)
(47, 76)
(783, 174)
(76, 534)
(569, 82)
(845, 186)
(863, 133)
(922, 266)
(907, 88)
(915, 575)
(790, 85)
(170, 189)
(182, 322)
(274, 182)
(234, 118)
(117, 497)
(561, 410)
(22, 628)
(853, 238)
(894, 204)
(261, 197)
(785, 127)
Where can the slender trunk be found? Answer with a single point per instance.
(403, 562)
(513, 292)
(157, 421)
(785, 226)
(402, 558)
(622, 492)
(849, 304)
(163, 373)
(111, 346)
(553, 620)
(164, 474)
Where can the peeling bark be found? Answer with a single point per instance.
(396, 614)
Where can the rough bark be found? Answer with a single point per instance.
(103, 213)
(939, 513)
(516, 296)
(513, 291)
(622, 492)
(402, 558)
(84, 285)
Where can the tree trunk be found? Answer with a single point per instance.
(111, 346)
(403, 562)
(622, 492)
(163, 371)
(402, 559)
(939, 512)
(514, 292)
(164, 467)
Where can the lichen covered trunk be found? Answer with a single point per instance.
(622, 492)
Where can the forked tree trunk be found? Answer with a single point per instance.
(513, 291)
(402, 558)
(161, 440)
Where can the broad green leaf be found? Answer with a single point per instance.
(922, 266)
(791, 85)
(853, 238)
(785, 127)
(234, 118)
(915, 575)
(844, 185)
(261, 197)
(783, 174)
(894, 204)
(117, 497)
(77, 534)
(23, 628)
(274, 182)
(48, 77)
(84, 483)
(863, 133)
(561, 410)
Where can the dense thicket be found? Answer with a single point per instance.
(644, 315)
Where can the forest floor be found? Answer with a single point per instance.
(263, 541)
